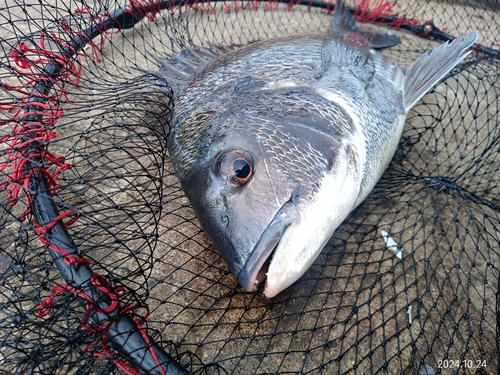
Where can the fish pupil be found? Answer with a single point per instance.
(241, 168)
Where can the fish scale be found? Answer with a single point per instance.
(302, 161)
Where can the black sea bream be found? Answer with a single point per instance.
(276, 142)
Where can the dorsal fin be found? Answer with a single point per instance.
(343, 23)
(343, 19)
(183, 67)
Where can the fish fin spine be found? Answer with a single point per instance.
(181, 68)
(343, 19)
(344, 22)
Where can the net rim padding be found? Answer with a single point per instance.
(30, 171)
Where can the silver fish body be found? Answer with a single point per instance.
(275, 143)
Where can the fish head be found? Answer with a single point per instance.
(269, 192)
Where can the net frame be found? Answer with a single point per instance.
(36, 169)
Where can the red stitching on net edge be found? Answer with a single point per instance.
(147, 8)
(28, 135)
(371, 10)
(32, 130)
(97, 281)
(100, 283)
(236, 5)
(151, 348)
(42, 232)
(122, 365)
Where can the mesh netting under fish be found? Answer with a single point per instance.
(105, 269)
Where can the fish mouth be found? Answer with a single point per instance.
(255, 270)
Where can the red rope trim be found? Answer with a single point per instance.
(202, 6)
(42, 232)
(329, 8)
(84, 10)
(270, 5)
(147, 8)
(98, 282)
(371, 10)
(32, 123)
(237, 4)
(151, 348)
(122, 365)
(32, 130)
(292, 3)
(101, 284)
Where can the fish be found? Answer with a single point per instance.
(276, 142)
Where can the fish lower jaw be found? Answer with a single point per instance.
(276, 286)
(276, 283)
(275, 271)
(252, 280)
(262, 274)
(287, 269)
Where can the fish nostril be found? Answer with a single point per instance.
(225, 221)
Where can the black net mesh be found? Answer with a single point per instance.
(408, 284)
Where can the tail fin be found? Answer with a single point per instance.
(430, 68)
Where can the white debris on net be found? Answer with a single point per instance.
(410, 318)
(393, 245)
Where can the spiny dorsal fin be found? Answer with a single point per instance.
(343, 19)
(183, 67)
(343, 23)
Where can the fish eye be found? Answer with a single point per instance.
(236, 167)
